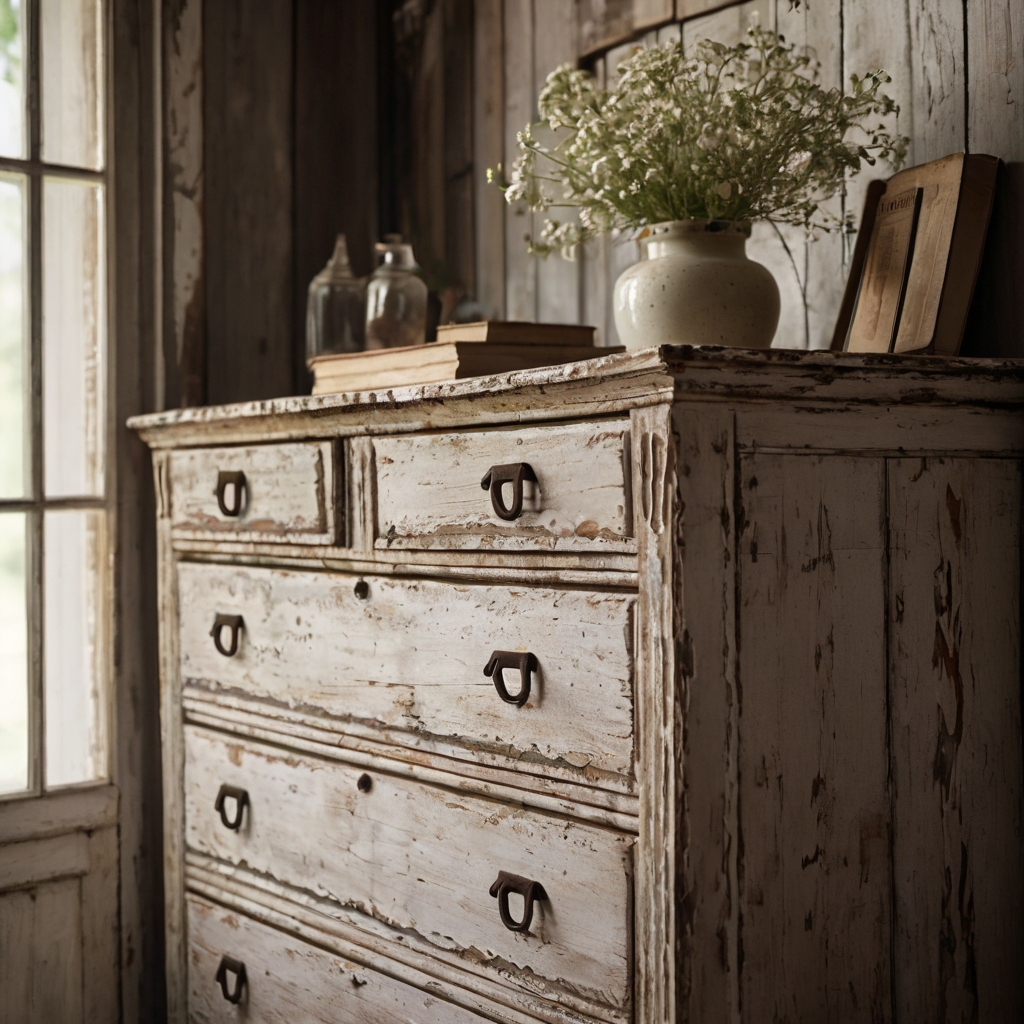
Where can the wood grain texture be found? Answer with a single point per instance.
(489, 152)
(248, 111)
(956, 732)
(57, 813)
(289, 492)
(705, 638)
(814, 871)
(291, 980)
(399, 858)
(42, 860)
(408, 659)
(429, 491)
(100, 929)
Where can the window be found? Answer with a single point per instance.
(54, 556)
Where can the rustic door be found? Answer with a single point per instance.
(58, 808)
(879, 673)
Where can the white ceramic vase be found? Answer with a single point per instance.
(695, 285)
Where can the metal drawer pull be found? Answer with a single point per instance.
(234, 623)
(527, 888)
(225, 477)
(237, 968)
(500, 660)
(241, 798)
(515, 473)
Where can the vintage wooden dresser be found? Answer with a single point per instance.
(673, 686)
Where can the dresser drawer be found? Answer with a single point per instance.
(409, 657)
(288, 980)
(418, 862)
(434, 492)
(272, 492)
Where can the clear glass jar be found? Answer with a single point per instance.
(336, 307)
(396, 300)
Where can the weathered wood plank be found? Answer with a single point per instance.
(290, 980)
(41, 860)
(429, 493)
(520, 110)
(937, 70)
(100, 932)
(705, 636)
(488, 152)
(57, 813)
(659, 933)
(815, 876)
(288, 493)
(408, 659)
(958, 856)
(402, 855)
(554, 42)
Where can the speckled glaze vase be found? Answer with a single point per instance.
(695, 285)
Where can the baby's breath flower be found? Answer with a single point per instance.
(742, 132)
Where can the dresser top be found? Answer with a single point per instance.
(602, 386)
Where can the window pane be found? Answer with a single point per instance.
(71, 82)
(12, 96)
(13, 452)
(74, 561)
(74, 328)
(13, 655)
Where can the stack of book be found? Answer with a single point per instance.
(461, 350)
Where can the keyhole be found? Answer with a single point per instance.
(362, 590)
(365, 783)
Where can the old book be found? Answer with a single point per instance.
(955, 207)
(883, 286)
(875, 191)
(515, 332)
(438, 361)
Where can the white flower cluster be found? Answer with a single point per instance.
(734, 133)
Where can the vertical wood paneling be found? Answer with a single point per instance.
(248, 117)
(488, 146)
(99, 928)
(815, 877)
(706, 645)
(936, 77)
(995, 124)
(956, 738)
(558, 280)
(520, 105)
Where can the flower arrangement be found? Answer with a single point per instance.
(731, 133)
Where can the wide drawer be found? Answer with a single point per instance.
(287, 980)
(272, 492)
(430, 492)
(409, 656)
(417, 863)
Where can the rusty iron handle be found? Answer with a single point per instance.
(237, 968)
(234, 623)
(500, 660)
(514, 473)
(241, 798)
(527, 888)
(225, 477)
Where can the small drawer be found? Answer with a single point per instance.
(563, 487)
(409, 657)
(273, 492)
(285, 979)
(426, 866)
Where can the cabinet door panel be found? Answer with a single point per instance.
(814, 871)
(956, 736)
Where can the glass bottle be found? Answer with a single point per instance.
(336, 307)
(396, 300)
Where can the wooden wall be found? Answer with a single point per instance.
(957, 74)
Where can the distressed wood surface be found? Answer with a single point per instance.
(101, 929)
(58, 813)
(705, 632)
(289, 492)
(814, 871)
(287, 979)
(412, 859)
(409, 658)
(429, 494)
(42, 860)
(958, 857)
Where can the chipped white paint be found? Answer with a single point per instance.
(420, 860)
(408, 659)
(288, 493)
(290, 980)
(429, 492)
